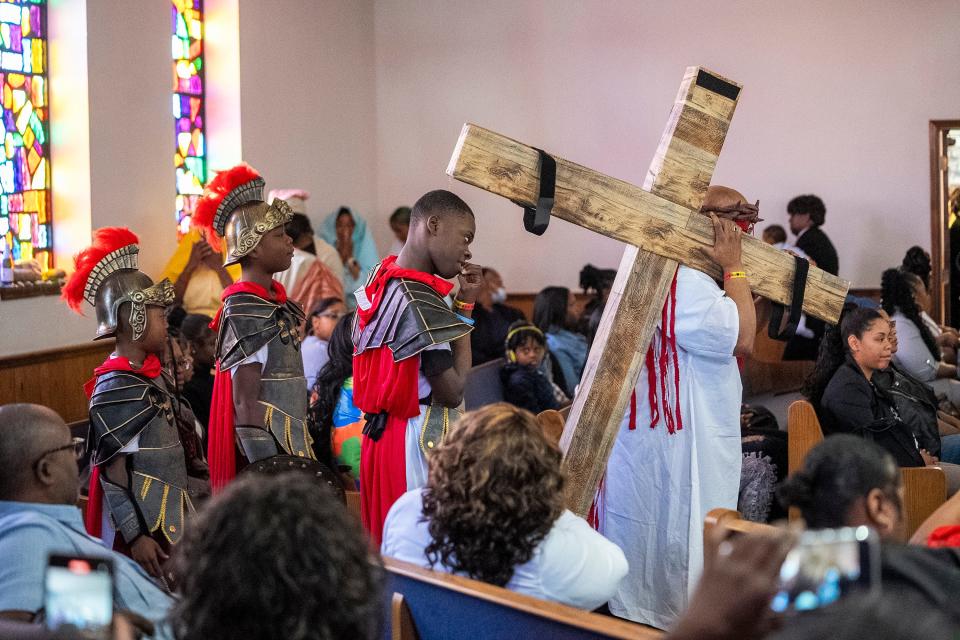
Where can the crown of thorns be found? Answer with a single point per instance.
(744, 211)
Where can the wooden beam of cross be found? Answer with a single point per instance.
(662, 226)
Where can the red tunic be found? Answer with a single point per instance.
(382, 385)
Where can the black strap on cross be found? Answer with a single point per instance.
(796, 304)
(536, 219)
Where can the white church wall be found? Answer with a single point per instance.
(836, 102)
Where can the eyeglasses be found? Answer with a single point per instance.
(333, 315)
(77, 444)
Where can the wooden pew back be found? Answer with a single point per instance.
(423, 604)
(924, 488)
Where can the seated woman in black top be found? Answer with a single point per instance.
(850, 403)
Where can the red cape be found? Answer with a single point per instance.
(222, 454)
(380, 384)
(93, 518)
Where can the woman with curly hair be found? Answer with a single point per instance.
(276, 557)
(493, 510)
(904, 298)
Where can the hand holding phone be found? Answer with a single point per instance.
(825, 565)
(78, 595)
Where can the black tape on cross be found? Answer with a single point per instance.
(536, 219)
(796, 304)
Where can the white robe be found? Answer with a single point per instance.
(659, 487)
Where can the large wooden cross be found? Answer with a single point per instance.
(662, 227)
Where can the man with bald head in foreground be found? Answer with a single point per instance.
(677, 455)
(38, 516)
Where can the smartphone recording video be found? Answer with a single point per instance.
(78, 595)
(826, 565)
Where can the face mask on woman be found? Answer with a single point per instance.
(499, 296)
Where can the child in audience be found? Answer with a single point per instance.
(492, 510)
(139, 473)
(320, 323)
(259, 398)
(412, 352)
(524, 383)
(333, 418)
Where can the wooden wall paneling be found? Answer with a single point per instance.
(53, 378)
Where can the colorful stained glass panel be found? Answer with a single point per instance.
(25, 219)
(189, 160)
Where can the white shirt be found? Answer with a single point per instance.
(573, 565)
(912, 352)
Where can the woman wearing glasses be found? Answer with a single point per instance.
(320, 323)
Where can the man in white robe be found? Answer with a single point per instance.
(679, 455)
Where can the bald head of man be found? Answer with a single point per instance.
(730, 204)
(37, 460)
(720, 196)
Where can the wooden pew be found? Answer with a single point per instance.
(428, 605)
(924, 488)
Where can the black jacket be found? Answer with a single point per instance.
(527, 388)
(915, 402)
(852, 404)
(818, 247)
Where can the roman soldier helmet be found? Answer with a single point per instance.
(107, 276)
(232, 208)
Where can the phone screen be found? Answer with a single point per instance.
(824, 566)
(78, 594)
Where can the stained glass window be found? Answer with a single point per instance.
(25, 218)
(190, 158)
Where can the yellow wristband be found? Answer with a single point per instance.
(734, 274)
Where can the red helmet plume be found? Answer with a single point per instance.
(105, 241)
(205, 215)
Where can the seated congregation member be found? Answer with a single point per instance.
(200, 342)
(677, 454)
(597, 284)
(277, 557)
(303, 234)
(491, 318)
(852, 403)
(336, 423)
(259, 395)
(400, 225)
(920, 352)
(320, 323)
(492, 510)
(525, 384)
(309, 279)
(198, 274)
(917, 406)
(139, 475)
(554, 312)
(849, 482)
(412, 352)
(349, 233)
(39, 480)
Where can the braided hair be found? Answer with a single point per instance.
(897, 295)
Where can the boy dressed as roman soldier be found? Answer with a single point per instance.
(138, 468)
(259, 402)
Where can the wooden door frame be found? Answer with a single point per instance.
(939, 231)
